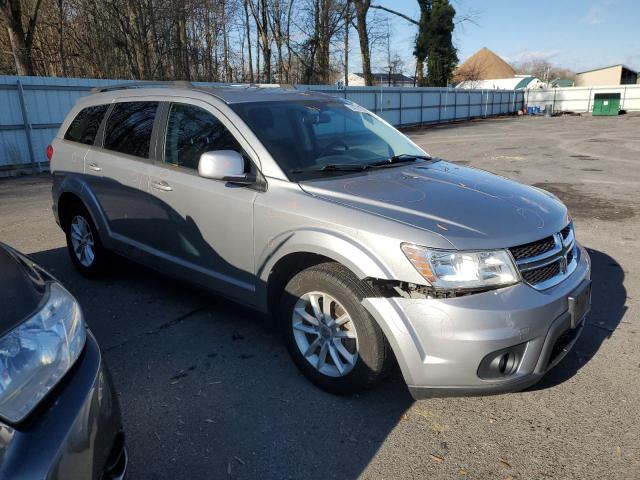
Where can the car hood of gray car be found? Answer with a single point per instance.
(22, 288)
(471, 208)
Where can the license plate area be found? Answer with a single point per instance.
(579, 303)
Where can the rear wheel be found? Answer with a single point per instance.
(331, 337)
(83, 243)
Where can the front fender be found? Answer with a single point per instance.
(78, 187)
(331, 244)
(341, 248)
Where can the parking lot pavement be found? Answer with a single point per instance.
(208, 391)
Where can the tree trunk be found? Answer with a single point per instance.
(324, 38)
(362, 8)
(137, 41)
(63, 59)
(21, 40)
(347, 23)
(266, 43)
(21, 54)
(257, 54)
(225, 45)
(289, 13)
(208, 67)
(158, 70)
(182, 59)
(248, 28)
(420, 73)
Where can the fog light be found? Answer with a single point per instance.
(501, 363)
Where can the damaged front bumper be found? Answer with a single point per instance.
(456, 346)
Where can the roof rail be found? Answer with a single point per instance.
(142, 84)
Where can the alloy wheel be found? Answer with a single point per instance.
(82, 240)
(325, 334)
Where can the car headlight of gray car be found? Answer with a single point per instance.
(38, 353)
(456, 270)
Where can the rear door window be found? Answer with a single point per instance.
(84, 127)
(129, 128)
(192, 131)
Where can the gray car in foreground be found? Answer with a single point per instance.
(367, 250)
(59, 416)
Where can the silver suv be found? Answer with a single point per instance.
(364, 248)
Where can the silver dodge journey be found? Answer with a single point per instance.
(365, 249)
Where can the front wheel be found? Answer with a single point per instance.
(331, 337)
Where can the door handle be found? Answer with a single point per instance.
(164, 186)
(94, 166)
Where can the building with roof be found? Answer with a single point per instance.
(613, 75)
(518, 82)
(483, 65)
(382, 80)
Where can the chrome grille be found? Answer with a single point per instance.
(547, 262)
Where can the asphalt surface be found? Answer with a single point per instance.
(208, 391)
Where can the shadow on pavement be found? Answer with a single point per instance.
(607, 309)
(208, 390)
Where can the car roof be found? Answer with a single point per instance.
(230, 94)
(251, 94)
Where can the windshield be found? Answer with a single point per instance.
(311, 138)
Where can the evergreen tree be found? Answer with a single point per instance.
(421, 50)
(441, 54)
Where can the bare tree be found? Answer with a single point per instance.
(471, 74)
(544, 70)
(279, 21)
(286, 41)
(21, 37)
(395, 64)
(260, 16)
(247, 27)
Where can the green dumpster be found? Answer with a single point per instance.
(606, 104)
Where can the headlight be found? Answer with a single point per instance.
(451, 269)
(36, 354)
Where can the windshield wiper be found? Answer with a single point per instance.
(334, 167)
(402, 158)
(359, 167)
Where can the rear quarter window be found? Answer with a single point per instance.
(84, 127)
(129, 128)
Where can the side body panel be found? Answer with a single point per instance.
(201, 225)
(119, 183)
(206, 226)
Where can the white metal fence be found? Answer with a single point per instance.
(32, 109)
(580, 99)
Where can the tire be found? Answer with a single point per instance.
(90, 259)
(334, 286)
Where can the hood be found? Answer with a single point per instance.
(471, 208)
(22, 288)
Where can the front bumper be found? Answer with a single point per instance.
(75, 433)
(440, 343)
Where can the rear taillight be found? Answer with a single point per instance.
(49, 152)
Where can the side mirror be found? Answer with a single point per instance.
(227, 165)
